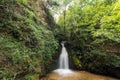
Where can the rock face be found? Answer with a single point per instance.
(78, 75)
(25, 39)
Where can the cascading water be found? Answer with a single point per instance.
(64, 73)
(63, 59)
(63, 63)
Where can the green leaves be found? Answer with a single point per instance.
(22, 1)
(27, 45)
(92, 26)
(109, 28)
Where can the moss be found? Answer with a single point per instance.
(32, 77)
(27, 45)
(77, 62)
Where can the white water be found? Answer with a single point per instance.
(64, 63)
(63, 59)
(64, 72)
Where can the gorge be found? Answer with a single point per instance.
(31, 32)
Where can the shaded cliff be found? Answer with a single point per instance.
(26, 40)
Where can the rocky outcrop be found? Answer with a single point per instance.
(27, 43)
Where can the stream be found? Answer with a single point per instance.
(77, 75)
(64, 73)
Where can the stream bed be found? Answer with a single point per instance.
(76, 75)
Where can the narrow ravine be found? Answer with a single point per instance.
(64, 73)
(59, 39)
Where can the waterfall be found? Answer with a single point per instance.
(63, 59)
(63, 69)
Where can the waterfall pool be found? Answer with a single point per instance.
(75, 75)
(64, 72)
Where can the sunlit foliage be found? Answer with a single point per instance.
(93, 27)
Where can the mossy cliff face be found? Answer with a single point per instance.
(26, 42)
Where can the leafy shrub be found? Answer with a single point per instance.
(91, 28)
(27, 45)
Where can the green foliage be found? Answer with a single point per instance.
(56, 5)
(62, 2)
(27, 45)
(91, 28)
(22, 1)
(77, 62)
(32, 77)
(110, 28)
